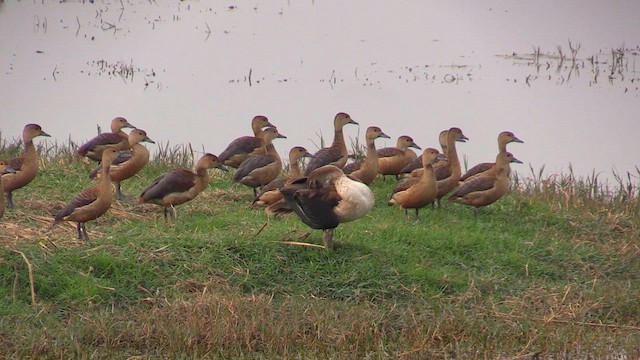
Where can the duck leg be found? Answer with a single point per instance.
(476, 211)
(119, 195)
(84, 231)
(166, 210)
(417, 213)
(79, 228)
(10, 200)
(327, 239)
(255, 193)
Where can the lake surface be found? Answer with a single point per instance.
(198, 71)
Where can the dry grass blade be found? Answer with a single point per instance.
(31, 281)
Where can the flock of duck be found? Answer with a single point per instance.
(328, 192)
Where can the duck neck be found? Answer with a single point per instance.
(294, 167)
(140, 152)
(29, 153)
(271, 151)
(338, 139)
(502, 146)
(452, 157)
(428, 174)
(105, 177)
(372, 154)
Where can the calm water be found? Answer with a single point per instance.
(198, 71)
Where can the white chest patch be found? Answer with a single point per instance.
(357, 199)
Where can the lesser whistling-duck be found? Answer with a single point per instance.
(504, 138)
(26, 166)
(488, 188)
(414, 168)
(129, 162)
(337, 153)
(367, 170)
(180, 185)
(326, 198)
(241, 148)
(391, 160)
(449, 175)
(5, 168)
(92, 202)
(117, 139)
(270, 193)
(259, 170)
(416, 193)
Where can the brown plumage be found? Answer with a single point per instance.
(504, 138)
(92, 202)
(326, 198)
(129, 162)
(116, 139)
(26, 166)
(416, 193)
(180, 185)
(5, 168)
(449, 175)
(337, 153)
(241, 148)
(414, 169)
(367, 170)
(391, 160)
(270, 193)
(488, 188)
(259, 170)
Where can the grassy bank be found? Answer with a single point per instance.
(550, 271)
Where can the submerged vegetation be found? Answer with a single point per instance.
(550, 271)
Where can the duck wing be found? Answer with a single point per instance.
(389, 152)
(478, 184)
(251, 164)
(83, 199)
(480, 168)
(102, 139)
(176, 181)
(313, 206)
(323, 157)
(354, 166)
(241, 145)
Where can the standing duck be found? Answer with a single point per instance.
(488, 188)
(326, 198)
(416, 193)
(241, 148)
(180, 185)
(5, 168)
(128, 163)
(367, 170)
(116, 139)
(414, 168)
(26, 166)
(259, 170)
(337, 153)
(270, 194)
(504, 138)
(391, 160)
(449, 175)
(92, 202)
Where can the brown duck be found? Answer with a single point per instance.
(5, 168)
(116, 139)
(504, 138)
(414, 169)
(259, 170)
(180, 185)
(337, 153)
(326, 198)
(129, 162)
(367, 170)
(241, 148)
(92, 202)
(270, 193)
(487, 188)
(26, 166)
(416, 193)
(391, 160)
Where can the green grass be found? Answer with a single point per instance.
(535, 275)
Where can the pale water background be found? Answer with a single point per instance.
(198, 71)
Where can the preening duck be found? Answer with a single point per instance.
(180, 185)
(367, 170)
(270, 193)
(116, 139)
(326, 198)
(488, 188)
(416, 193)
(241, 148)
(129, 162)
(259, 170)
(5, 168)
(26, 166)
(337, 153)
(391, 160)
(504, 138)
(92, 202)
